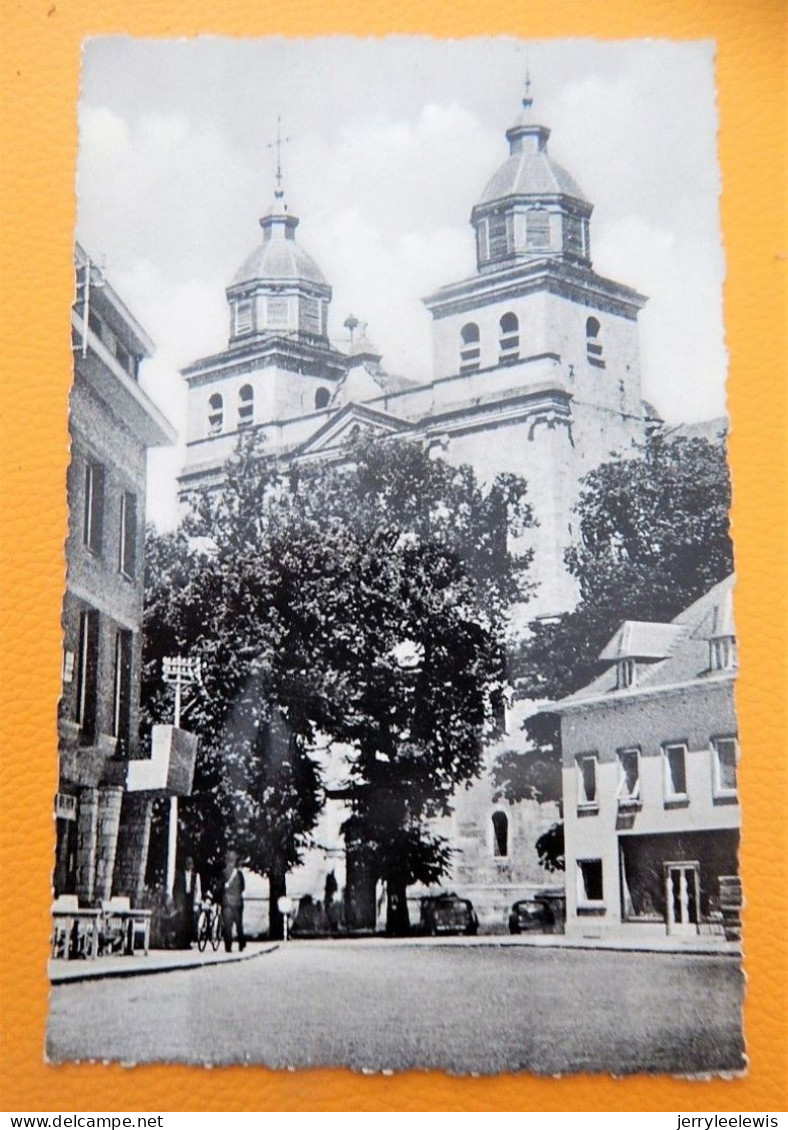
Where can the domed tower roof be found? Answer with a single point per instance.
(278, 290)
(531, 208)
(278, 258)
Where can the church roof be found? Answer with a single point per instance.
(279, 260)
(531, 174)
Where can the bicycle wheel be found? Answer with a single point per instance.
(203, 930)
(216, 929)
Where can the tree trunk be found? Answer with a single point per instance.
(277, 887)
(397, 920)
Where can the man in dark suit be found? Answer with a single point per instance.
(187, 895)
(232, 902)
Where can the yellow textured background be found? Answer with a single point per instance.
(40, 77)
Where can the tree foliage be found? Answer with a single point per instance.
(365, 600)
(653, 537)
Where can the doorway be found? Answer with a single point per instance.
(682, 889)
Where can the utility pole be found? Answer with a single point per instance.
(178, 671)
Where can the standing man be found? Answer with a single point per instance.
(232, 902)
(187, 895)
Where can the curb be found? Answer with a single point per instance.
(150, 971)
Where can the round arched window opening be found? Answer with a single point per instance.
(470, 351)
(500, 823)
(215, 414)
(593, 344)
(322, 397)
(509, 342)
(246, 407)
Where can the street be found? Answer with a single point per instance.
(379, 1004)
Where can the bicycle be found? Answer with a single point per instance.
(209, 926)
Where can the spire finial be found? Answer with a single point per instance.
(527, 100)
(280, 141)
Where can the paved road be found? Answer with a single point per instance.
(377, 1005)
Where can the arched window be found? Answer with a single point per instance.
(509, 342)
(470, 351)
(215, 414)
(246, 407)
(593, 344)
(500, 823)
(322, 397)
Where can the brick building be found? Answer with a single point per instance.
(650, 751)
(101, 828)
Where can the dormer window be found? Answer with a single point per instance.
(243, 317)
(246, 407)
(509, 342)
(593, 344)
(470, 350)
(215, 414)
(626, 673)
(722, 653)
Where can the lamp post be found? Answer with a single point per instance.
(179, 671)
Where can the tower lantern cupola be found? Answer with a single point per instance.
(531, 208)
(279, 291)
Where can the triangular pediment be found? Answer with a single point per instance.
(337, 433)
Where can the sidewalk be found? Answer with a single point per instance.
(157, 961)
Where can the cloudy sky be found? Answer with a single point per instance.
(392, 142)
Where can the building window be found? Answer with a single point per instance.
(322, 397)
(246, 407)
(498, 235)
(537, 229)
(470, 350)
(127, 557)
(573, 235)
(121, 705)
(93, 524)
(243, 317)
(628, 776)
(593, 344)
(87, 671)
(215, 415)
(311, 320)
(509, 342)
(675, 762)
(586, 781)
(278, 312)
(722, 653)
(725, 757)
(589, 882)
(500, 823)
(626, 673)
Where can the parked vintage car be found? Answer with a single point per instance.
(447, 914)
(541, 912)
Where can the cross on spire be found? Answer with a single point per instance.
(280, 141)
(527, 100)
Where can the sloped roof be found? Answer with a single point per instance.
(687, 657)
(642, 639)
(531, 174)
(278, 260)
(712, 430)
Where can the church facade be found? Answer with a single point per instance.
(536, 372)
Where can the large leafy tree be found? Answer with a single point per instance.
(366, 600)
(653, 537)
